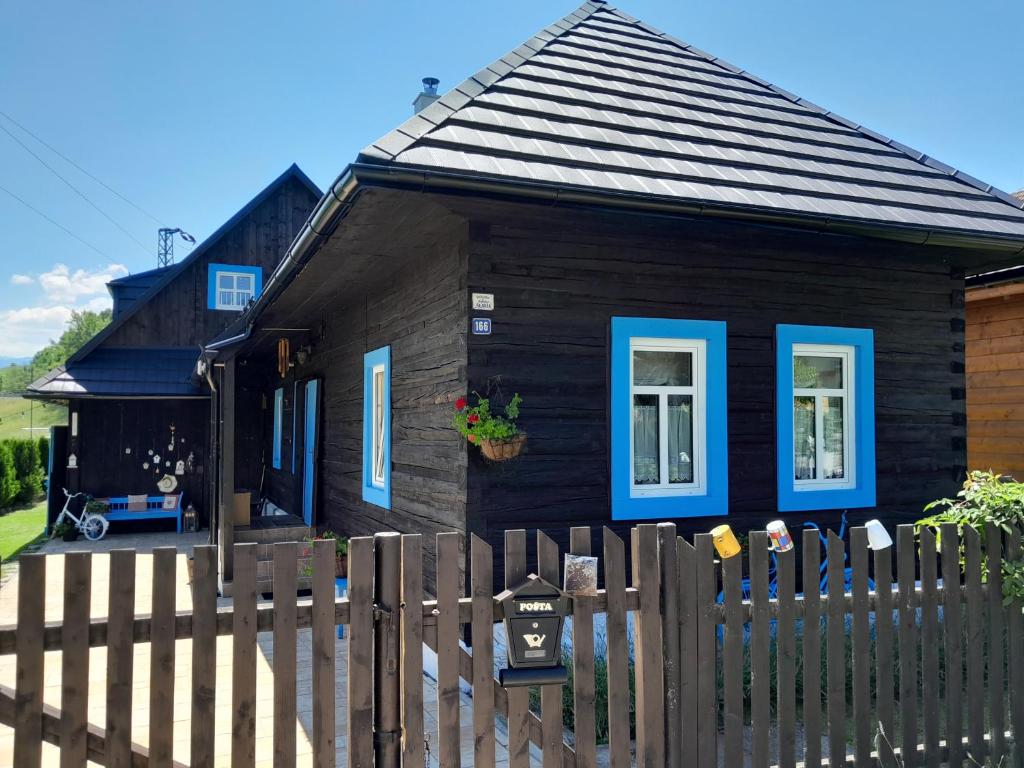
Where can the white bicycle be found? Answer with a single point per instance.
(93, 526)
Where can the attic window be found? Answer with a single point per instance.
(231, 287)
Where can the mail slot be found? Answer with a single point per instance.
(534, 617)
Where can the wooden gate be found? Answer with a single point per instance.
(704, 661)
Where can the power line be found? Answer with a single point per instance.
(55, 223)
(68, 160)
(75, 189)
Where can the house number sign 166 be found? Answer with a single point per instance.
(481, 326)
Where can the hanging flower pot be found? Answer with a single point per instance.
(496, 435)
(503, 450)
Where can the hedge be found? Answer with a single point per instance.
(21, 471)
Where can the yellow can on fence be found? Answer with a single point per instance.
(725, 541)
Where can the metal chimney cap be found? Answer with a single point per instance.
(430, 84)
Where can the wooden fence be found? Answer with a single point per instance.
(931, 657)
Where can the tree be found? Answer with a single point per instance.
(27, 470)
(9, 485)
(81, 327)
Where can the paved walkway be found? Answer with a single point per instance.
(144, 543)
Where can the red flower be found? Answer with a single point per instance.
(472, 438)
(460, 404)
(473, 418)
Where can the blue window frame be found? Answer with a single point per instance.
(825, 411)
(669, 436)
(278, 419)
(377, 427)
(231, 287)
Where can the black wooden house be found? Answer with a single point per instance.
(137, 412)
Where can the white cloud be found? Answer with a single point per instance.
(26, 330)
(60, 284)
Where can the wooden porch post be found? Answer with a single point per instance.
(225, 511)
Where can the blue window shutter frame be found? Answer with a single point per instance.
(375, 494)
(716, 500)
(295, 419)
(278, 417)
(211, 280)
(863, 492)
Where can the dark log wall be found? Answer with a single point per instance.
(178, 315)
(116, 437)
(418, 308)
(558, 281)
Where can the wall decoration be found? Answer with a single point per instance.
(72, 461)
(190, 462)
(150, 451)
(179, 467)
(167, 463)
(167, 483)
(128, 450)
(156, 458)
(145, 465)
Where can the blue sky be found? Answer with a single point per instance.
(189, 108)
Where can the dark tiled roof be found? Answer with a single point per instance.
(124, 372)
(601, 101)
(126, 290)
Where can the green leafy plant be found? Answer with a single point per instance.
(477, 422)
(340, 553)
(986, 498)
(63, 529)
(94, 507)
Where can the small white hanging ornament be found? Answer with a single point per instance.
(150, 451)
(156, 458)
(145, 465)
(179, 467)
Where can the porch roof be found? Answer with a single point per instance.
(113, 372)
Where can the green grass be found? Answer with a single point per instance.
(21, 527)
(17, 414)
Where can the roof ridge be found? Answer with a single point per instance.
(395, 141)
(910, 152)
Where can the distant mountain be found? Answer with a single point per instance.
(5, 361)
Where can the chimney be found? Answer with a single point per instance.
(429, 95)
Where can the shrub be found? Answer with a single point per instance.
(9, 485)
(27, 470)
(43, 445)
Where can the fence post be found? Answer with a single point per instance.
(668, 555)
(386, 688)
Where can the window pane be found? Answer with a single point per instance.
(803, 438)
(225, 282)
(645, 440)
(810, 372)
(662, 369)
(244, 283)
(225, 298)
(680, 438)
(832, 427)
(378, 425)
(241, 298)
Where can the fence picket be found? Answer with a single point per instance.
(686, 558)
(74, 676)
(905, 575)
(28, 709)
(448, 591)
(323, 633)
(929, 649)
(650, 681)
(285, 659)
(584, 700)
(161, 661)
(884, 669)
(1015, 640)
(550, 695)
(243, 659)
(811, 646)
(861, 658)
(975, 644)
(617, 650)
(835, 650)
(671, 660)
(996, 674)
(360, 652)
(707, 649)
(760, 640)
(952, 631)
(120, 657)
(785, 662)
(483, 655)
(412, 650)
(204, 652)
(732, 659)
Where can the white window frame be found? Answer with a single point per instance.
(847, 392)
(377, 406)
(698, 390)
(234, 291)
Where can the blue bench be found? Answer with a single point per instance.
(117, 509)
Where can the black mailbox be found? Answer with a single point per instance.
(534, 616)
